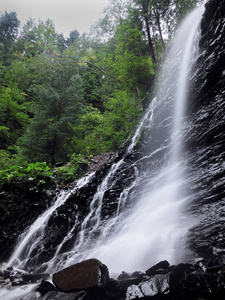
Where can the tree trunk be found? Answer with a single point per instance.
(149, 40)
(52, 154)
(159, 28)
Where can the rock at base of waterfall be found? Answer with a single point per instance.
(45, 287)
(158, 284)
(177, 273)
(35, 277)
(205, 284)
(20, 282)
(88, 274)
(162, 265)
(62, 296)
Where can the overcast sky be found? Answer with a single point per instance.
(67, 15)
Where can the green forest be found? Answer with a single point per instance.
(64, 100)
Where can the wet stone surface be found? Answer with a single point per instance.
(205, 136)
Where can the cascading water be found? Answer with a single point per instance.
(32, 236)
(154, 230)
(147, 224)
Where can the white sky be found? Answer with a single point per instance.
(67, 15)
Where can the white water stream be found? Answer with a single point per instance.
(31, 237)
(155, 229)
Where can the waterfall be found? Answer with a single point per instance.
(148, 224)
(155, 229)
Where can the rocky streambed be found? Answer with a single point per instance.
(90, 280)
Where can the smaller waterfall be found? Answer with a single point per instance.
(31, 238)
(147, 121)
(92, 220)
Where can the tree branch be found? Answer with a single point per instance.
(101, 70)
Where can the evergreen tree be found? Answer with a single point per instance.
(59, 103)
(9, 25)
(13, 115)
(74, 36)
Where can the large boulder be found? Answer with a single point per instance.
(86, 275)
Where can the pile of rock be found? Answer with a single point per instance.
(11, 277)
(203, 280)
(90, 280)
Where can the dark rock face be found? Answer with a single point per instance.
(20, 207)
(205, 136)
(89, 274)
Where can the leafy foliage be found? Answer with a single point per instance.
(76, 167)
(37, 39)
(65, 99)
(33, 173)
(13, 114)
